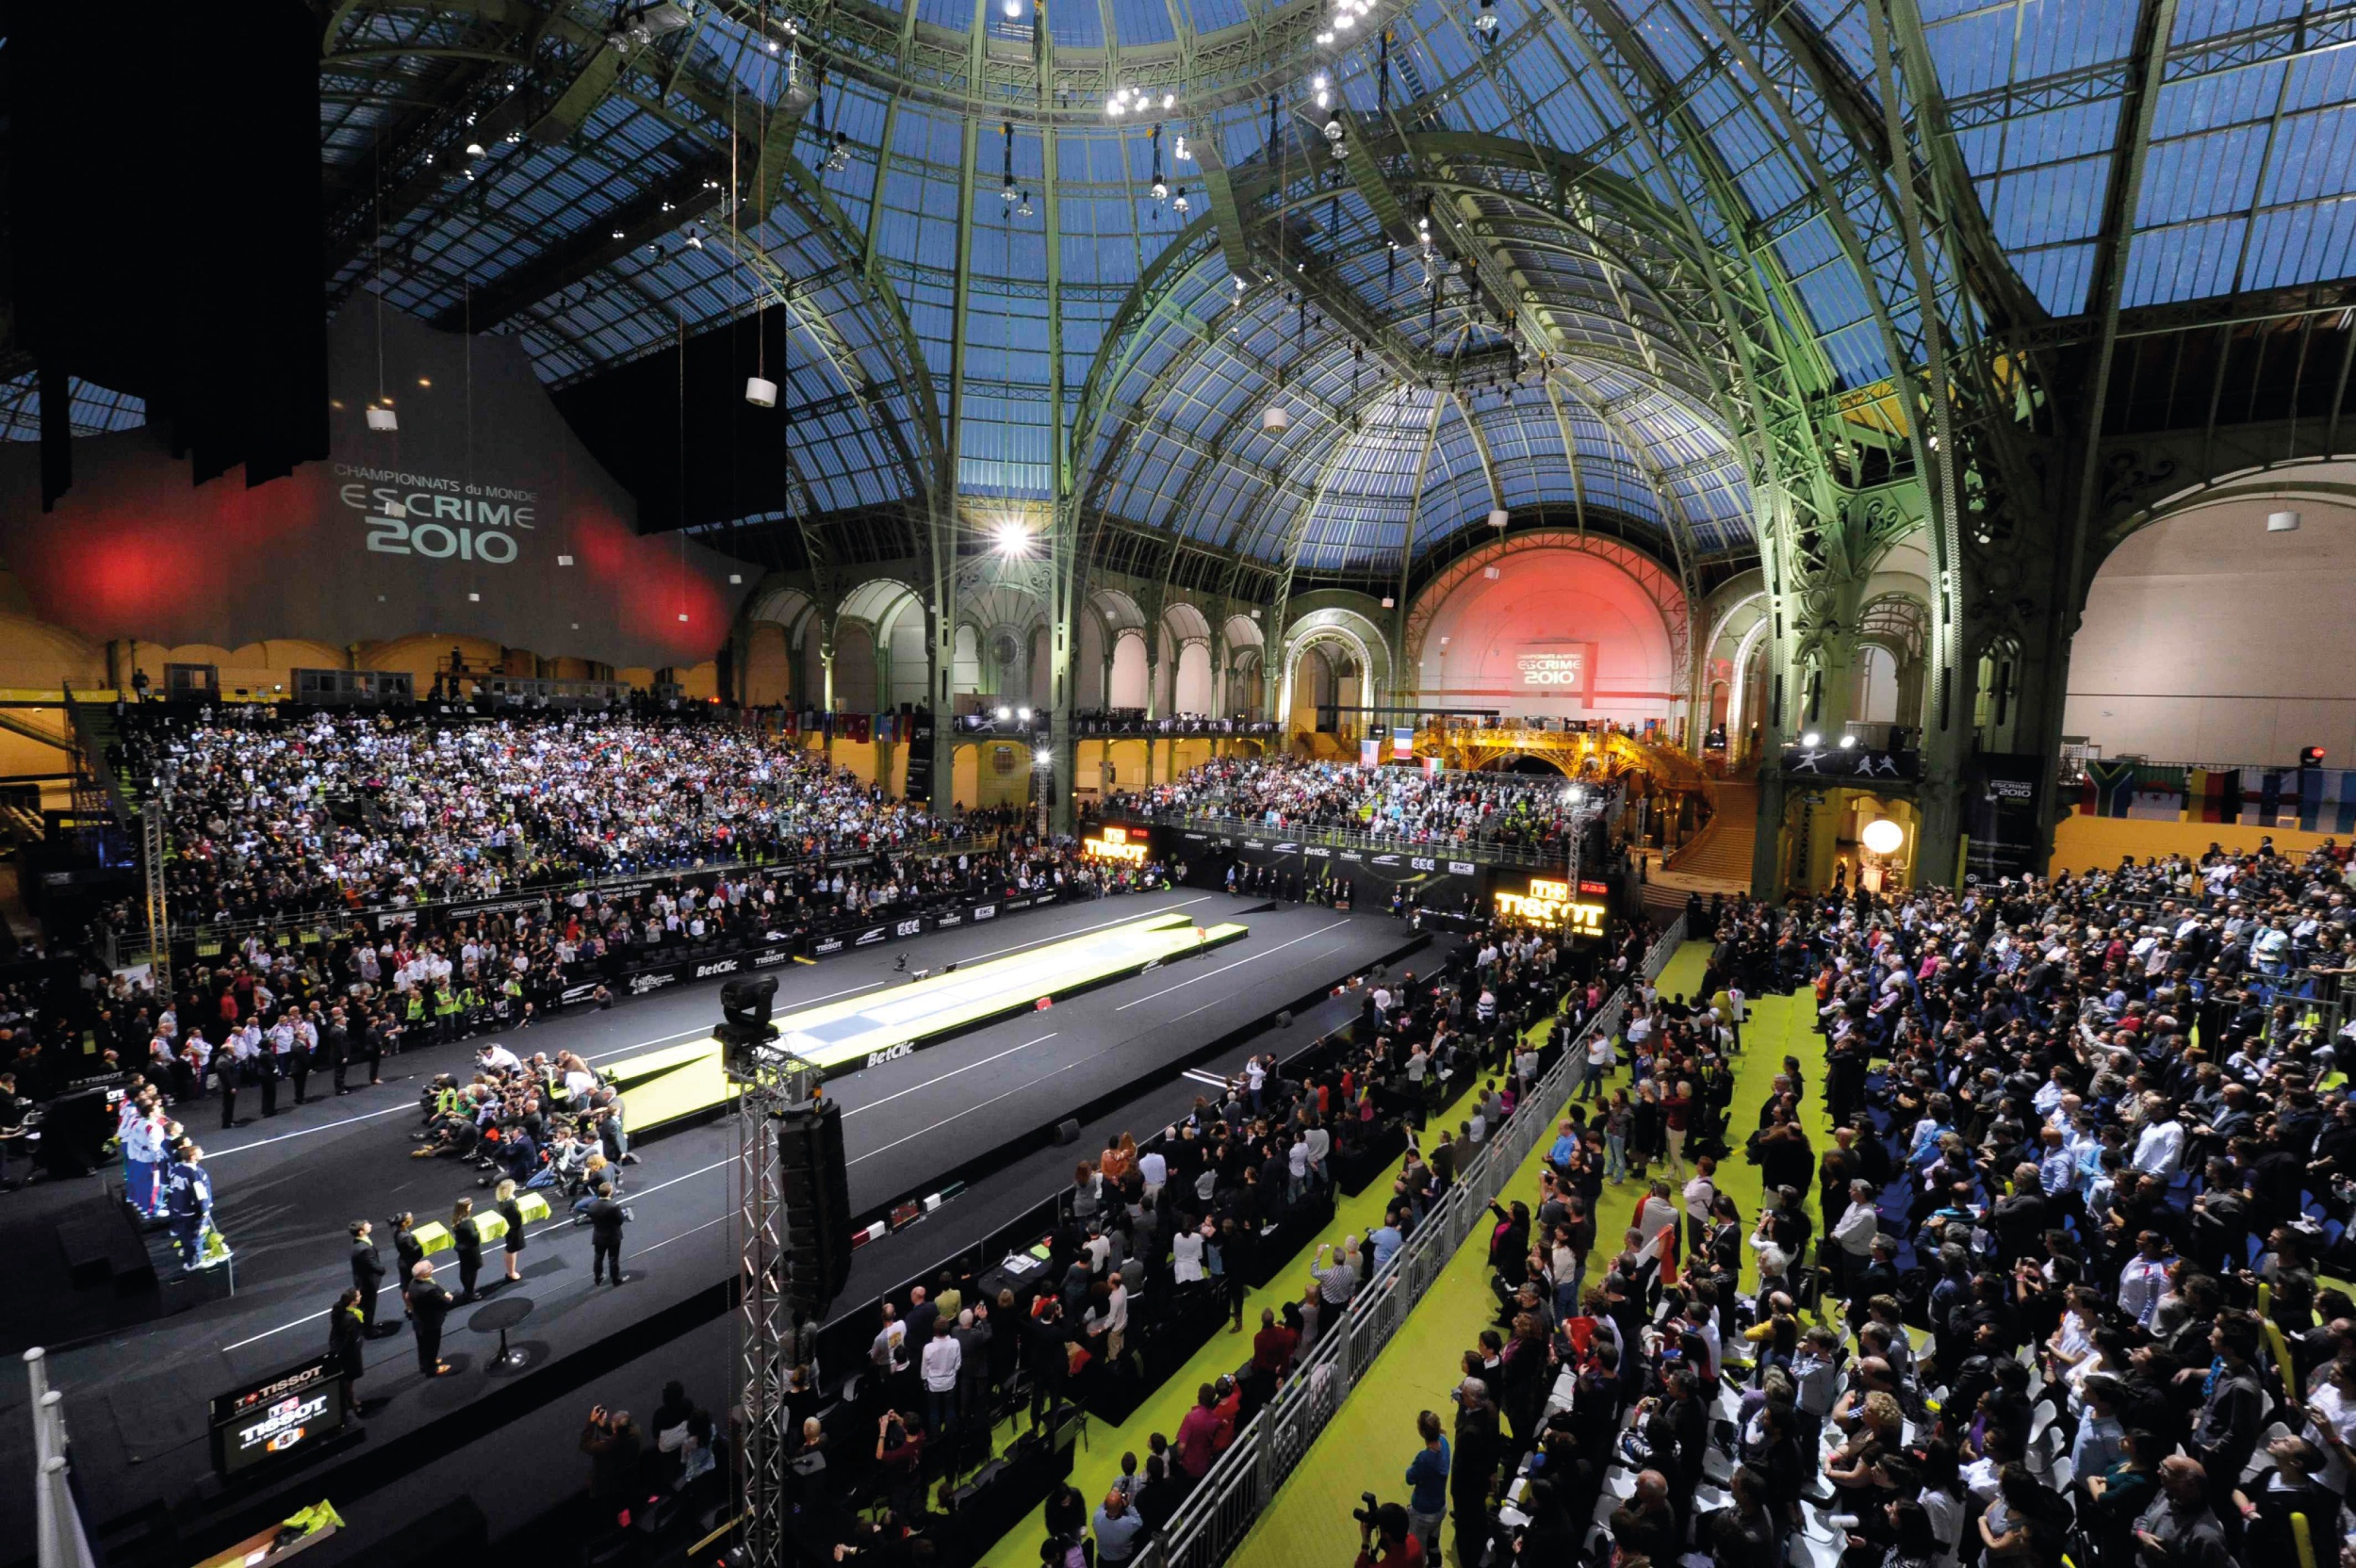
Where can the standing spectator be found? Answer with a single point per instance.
(1426, 1481)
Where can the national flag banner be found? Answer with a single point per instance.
(2326, 800)
(1369, 753)
(2110, 789)
(1431, 767)
(2212, 794)
(2159, 794)
(2265, 793)
(1403, 741)
(856, 728)
(885, 733)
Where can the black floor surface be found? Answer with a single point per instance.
(286, 1188)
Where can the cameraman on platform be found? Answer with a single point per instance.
(1401, 1546)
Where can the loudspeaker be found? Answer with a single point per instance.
(1068, 1130)
(1284, 1018)
(817, 1206)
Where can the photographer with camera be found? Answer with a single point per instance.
(1401, 1546)
(615, 1447)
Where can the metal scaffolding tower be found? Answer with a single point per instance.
(771, 1084)
(151, 839)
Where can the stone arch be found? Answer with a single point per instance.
(1335, 626)
(1126, 680)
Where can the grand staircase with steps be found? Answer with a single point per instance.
(1721, 852)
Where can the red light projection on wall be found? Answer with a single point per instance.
(480, 515)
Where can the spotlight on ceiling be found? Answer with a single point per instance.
(1499, 517)
(1012, 538)
(1005, 713)
(382, 418)
(1274, 420)
(1811, 739)
(1848, 742)
(760, 392)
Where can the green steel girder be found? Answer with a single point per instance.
(1931, 161)
(2288, 36)
(1794, 496)
(2155, 22)
(688, 103)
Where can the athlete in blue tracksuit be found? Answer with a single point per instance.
(188, 1204)
(143, 1137)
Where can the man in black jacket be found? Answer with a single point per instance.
(335, 1047)
(429, 1303)
(606, 1219)
(1048, 1354)
(367, 1273)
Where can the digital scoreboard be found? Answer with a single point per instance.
(1552, 906)
(294, 1410)
(1118, 845)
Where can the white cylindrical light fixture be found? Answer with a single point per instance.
(383, 418)
(2281, 522)
(1273, 418)
(1499, 517)
(760, 392)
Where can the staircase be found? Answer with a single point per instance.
(1721, 852)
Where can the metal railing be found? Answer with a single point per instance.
(1343, 838)
(1219, 1513)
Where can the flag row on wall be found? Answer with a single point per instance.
(2316, 800)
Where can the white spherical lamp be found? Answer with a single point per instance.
(1883, 837)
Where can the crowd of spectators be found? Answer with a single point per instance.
(264, 1014)
(1160, 1245)
(1286, 793)
(328, 812)
(2053, 1289)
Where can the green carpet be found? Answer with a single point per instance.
(1367, 1445)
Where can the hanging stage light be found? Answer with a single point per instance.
(760, 392)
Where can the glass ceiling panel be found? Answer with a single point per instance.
(2250, 183)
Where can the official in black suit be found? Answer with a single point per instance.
(336, 1048)
(407, 1253)
(367, 1272)
(429, 1303)
(469, 1242)
(345, 1331)
(225, 1075)
(606, 1219)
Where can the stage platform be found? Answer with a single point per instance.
(977, 1108)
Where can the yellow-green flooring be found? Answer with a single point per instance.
(1368, 1442)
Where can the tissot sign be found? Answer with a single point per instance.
(481, 514)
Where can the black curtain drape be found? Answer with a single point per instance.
(166, 223)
